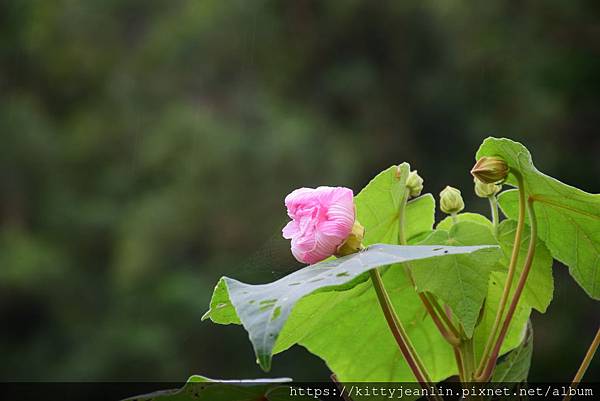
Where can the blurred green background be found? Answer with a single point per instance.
(146, 148)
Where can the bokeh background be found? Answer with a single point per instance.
(146, 148)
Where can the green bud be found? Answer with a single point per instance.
(353, 243)
(451, 201)
(484, 190)
(414, 183)
(490, 170)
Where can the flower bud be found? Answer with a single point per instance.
(414, 183)
(484, 190)
(451, 201)
(353, 243)
(322, 219)
(490, 170)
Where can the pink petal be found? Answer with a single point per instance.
(290, 230)
(340, 220)
(299, 198)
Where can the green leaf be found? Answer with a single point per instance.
(514, 366)
(460, 281)
(264, 309)
(447, 223)
(378, 205)
(200, 388)
(539, 286)
(516, 330)
(420, 217)
(568, 218)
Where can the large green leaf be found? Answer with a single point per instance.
(378, 205)
(200, 388)
(460, 281)
(568, 218)
(420, 217)
(264, 309)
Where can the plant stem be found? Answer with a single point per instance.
(459, 364)
(495, 217)
(467, 353)
(453, 339)
(402, 240)
(339, 386)
(440, 311)
(510, 276)
(445, 314)
(491, 362)
(454, 218)
(406, 347)
(585, 363)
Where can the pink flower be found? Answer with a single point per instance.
(322, 219)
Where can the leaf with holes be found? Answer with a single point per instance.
(568, 218)
(264, 309)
